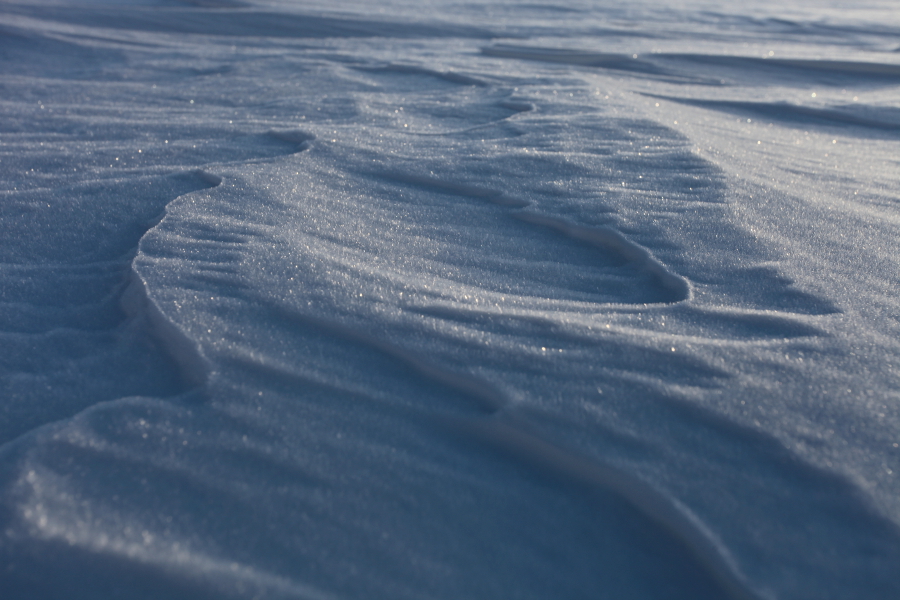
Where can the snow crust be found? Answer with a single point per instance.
(449, 300)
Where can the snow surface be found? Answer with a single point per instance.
(445, 300)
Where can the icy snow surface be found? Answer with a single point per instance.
(449, 300)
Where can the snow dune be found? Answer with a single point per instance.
(479, 300)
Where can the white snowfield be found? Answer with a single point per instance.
(449, 300)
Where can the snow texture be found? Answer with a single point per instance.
(444, 300)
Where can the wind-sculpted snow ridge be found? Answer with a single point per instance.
(797, 71)
(301, 302)
(711, 69)
(67, 342)
(604, 60)
(240, 22)
(853, 120)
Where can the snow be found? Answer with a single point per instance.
(440, 299)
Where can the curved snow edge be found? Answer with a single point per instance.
(610, 239)
(668, 512)
(136, 302)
